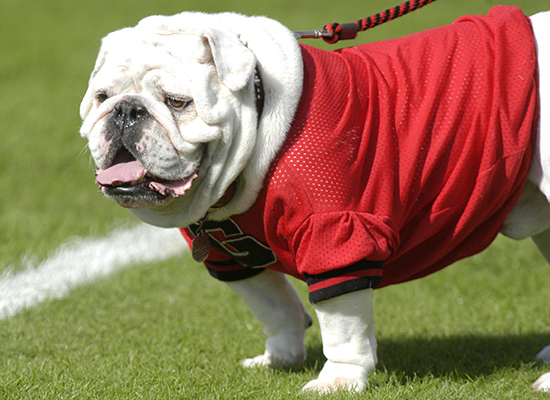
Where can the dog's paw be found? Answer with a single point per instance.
(340, 383)
(543, 383)
(544, 355)
(281, 351)
(258, 362)
(268, 361)
(338, 376)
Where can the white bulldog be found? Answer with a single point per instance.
(219, 124)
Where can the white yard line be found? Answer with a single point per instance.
(85, 260)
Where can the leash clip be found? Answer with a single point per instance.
(332, 33)
(315, 34)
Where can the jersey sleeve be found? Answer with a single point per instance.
(342, 252)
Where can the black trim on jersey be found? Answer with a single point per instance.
(236, 275)
(346, 286)
(228, 263)
(358, 266)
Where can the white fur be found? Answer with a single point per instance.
(543, 383)
(540, 171)
(274, 302)
(349, 343)
(531, 215)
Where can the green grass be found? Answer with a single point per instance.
(167, 330)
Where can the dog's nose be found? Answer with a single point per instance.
(128, 113)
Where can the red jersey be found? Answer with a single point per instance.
(404, 156)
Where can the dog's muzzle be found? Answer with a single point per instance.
(127, 180)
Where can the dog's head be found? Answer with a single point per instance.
(170, 116)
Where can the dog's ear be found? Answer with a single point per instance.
(234, 62)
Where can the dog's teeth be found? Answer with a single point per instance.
(142, 179)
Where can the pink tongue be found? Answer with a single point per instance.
(134, 171)
(127, 172)
(174, 188)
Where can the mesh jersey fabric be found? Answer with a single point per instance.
(404, 156)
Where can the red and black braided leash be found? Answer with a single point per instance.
(332, 33)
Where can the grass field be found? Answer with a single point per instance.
(166, 330)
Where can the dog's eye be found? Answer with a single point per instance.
(101, 97)
(176, 104)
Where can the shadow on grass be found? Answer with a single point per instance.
(460, 356)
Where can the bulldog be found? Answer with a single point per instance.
(350, 170)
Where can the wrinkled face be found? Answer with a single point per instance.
(164, 120)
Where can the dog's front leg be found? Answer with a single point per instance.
(274, 302)
(349, 344)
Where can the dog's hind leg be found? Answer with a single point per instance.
(274, 302)
(542, 241)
